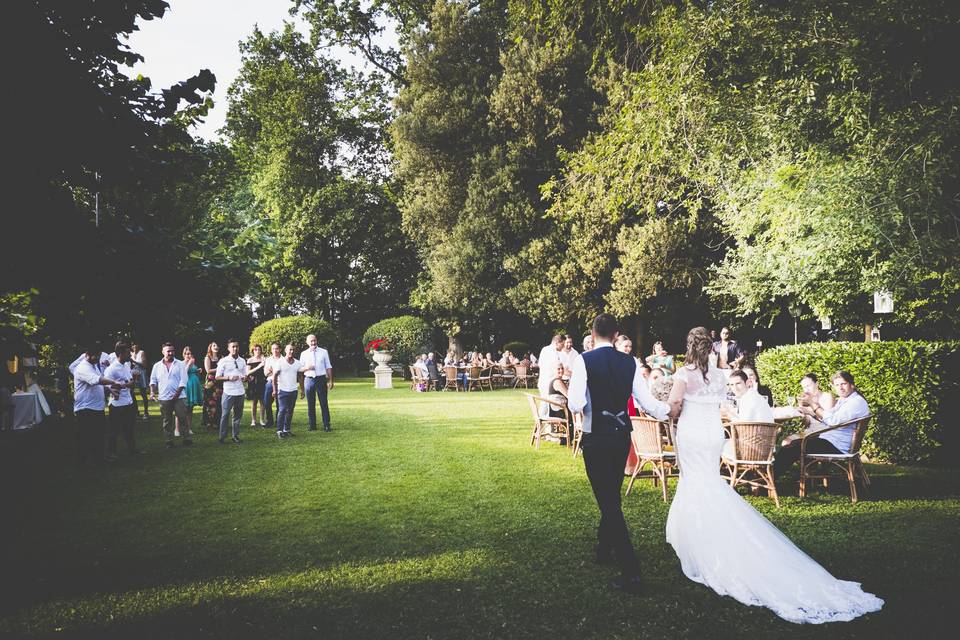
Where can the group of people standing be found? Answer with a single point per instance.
(102, 379)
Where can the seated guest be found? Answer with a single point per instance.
(753, 381)
(751, 406)
(645, 371)
(533, 359)
(558, 393)
(451, 359)
(433, 372)
(655, 374)
(812, 394)
(850, 405)
(662, 360)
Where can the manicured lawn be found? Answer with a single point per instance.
(419, 516)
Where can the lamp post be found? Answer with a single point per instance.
(882, 305)
(795, 312)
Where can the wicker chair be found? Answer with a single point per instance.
(415, 378)
(754, 444)
(485, 377)
(577, 432)
(473, 378)
(849, 463)
(451, 382)
(647, 439)
(522, 376)
(550, 424)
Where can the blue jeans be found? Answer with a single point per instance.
(464, 381)
(226, 404)
(286, 401)
(268, 402)
(314, 388)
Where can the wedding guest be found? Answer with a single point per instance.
(751, 406)
(212, 388)
(232, 371)
(141, 376)
(318, 380)
(567, 353)
(269, 368)
(451, 359)
(850, 405)
(655, 374)
(421, 366)
(645, 371)
(812, 394)
(558, 393)
(123, 411)
(168, 383)
(588, 342)
(194, 388)
(533, 359)
(284, 385)
(88, 404)
(257, 383)
(549, 356)
(753, 381)
(624, 344)
(728, 351)
(662, 360)
(433, 372)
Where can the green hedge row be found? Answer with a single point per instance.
(408, 336)
(912, 388)
(294, 330)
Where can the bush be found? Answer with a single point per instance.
(911, 387)
(408, 336)
(294, 330)
(518, 348)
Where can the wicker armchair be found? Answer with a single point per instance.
(450, 379)
(647, 438)
(485, 377)
(415, 378)
(849, 463)
(751, 462)
(550, 424)
(473, 378)
(577, 432)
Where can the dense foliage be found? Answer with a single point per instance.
(912, 388)
(294, 330)
(408, 336)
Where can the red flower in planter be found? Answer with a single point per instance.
(380, 344)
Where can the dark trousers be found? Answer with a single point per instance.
(228, 404)
(122, 420)
(268, 402)
(286, 402)
(315, 388)
(791, 453)
(604, 457)
(90, 429)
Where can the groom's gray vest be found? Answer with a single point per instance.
(609, 384)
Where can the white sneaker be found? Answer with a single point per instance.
(253, 424)
(176, 433)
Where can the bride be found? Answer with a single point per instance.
(722, 542)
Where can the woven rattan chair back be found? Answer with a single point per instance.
(647, 435)
(754, 441)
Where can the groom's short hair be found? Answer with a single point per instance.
(605, 326)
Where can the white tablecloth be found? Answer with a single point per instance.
(27, 410)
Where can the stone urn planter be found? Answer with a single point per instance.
(382, 373)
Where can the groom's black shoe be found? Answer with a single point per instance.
(604, 557)
(632, 585)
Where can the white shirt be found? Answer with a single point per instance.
(850, 408)
(122, 373)
(87, 391)
(320, 360)
(104, 361)
(752, 407)
(287, 374)
(422, 366)
(229, 367)
(270, 365)
(548, 368)
(567, 357)
(578, 396)
(168, 381)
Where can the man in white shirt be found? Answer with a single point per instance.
(285, 390)
(567, 353)
(123, 412)
(317, 381)
(549, 356)
(88, 405)
(751, 406)
(269, 367)
(168, 381)
(850, 405)
(601, 382)
(232, 370)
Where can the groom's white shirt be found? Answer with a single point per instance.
(578, 396)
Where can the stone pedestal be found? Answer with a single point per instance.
(383, 375)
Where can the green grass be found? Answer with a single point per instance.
(419, 516)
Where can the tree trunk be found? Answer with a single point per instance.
(867, 330)
(453, 344)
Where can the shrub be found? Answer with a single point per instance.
(911, 387)
(517, 348)
(294, 330)
(408, 336)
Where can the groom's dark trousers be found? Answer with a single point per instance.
(605, 456)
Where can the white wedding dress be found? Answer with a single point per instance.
(725, 544)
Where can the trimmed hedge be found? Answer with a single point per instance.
(517, 348)
(409, 336)
(294, 330)
(911, 387)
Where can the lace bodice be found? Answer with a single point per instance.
(710, 391)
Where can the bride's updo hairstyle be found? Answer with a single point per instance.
(699, 348)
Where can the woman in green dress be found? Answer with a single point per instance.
(660, 359)
(194, 388)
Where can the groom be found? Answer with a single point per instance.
(602, 380)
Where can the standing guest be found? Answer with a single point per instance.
(123, 411)
(588, 342)
(141, 376)
(194, 388)
(257, 384)
(88, 405)
(212, 388)
(318, 380)
(168, 383)
(533, 359)
(728, 351)
(269, 367)
(567, 353)
(753, 381)
(284, 384)
(232, 371)
(660, 359)
(549, 356)
(433, 372)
